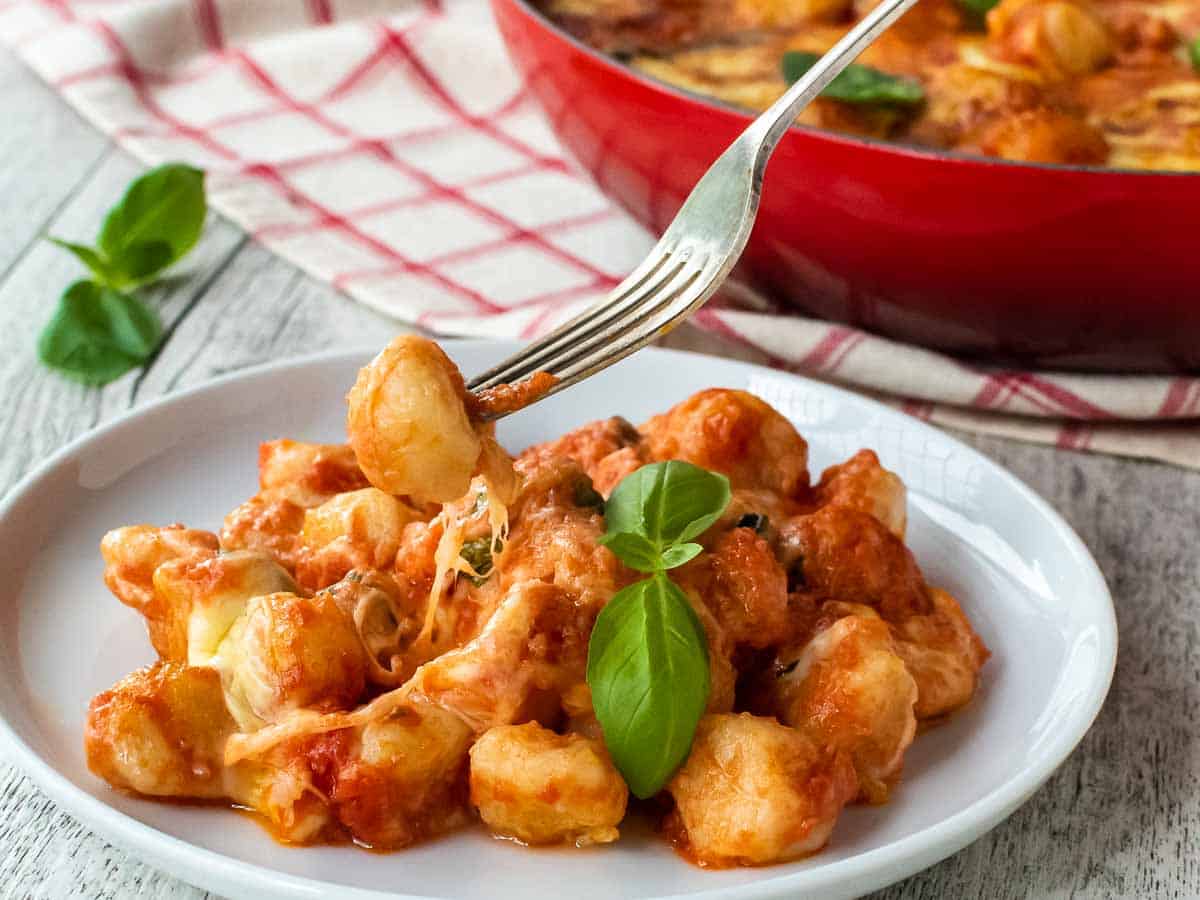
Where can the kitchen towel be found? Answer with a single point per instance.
(390, 147)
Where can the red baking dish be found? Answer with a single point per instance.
(1073, 267)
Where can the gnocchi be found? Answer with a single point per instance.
(390, 639)
(539, 787)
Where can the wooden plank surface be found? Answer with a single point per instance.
(1121, 818)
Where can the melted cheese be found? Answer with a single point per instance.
(1084, 68)
(212, 615)
(249, 690)
(308, 722)
(500, 486)
(975, 56)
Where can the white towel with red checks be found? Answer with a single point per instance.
(389, 147)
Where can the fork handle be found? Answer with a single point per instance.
(774, 122)
(699, 247)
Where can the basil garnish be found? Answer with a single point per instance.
(157, 221)
(98, 332)
(856, 84)
(666, 504)
(648, 671)
(648, 654)
(1194, 53)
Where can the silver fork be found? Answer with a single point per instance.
(699, 247)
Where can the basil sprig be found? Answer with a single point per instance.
(1194, 53)
(154, 225)
(648, 654)
(99, 331)
(856, 84)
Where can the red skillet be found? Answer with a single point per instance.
(1076, 267)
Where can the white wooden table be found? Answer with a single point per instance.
(1121, 818)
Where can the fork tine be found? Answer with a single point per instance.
(717, 215)
(601, 341)
(656, 323)
(602, 310)
(623, 301)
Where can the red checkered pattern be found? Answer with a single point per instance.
(388, 146)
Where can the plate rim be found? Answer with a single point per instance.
(870, 870)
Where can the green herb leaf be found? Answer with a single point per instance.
(141, 261)
(648, 654)
(668, 503)
(145, 260)
(478, 553)
(90, 258)
(157, 221)
(648, 672)
(1194, 53)
(676, 556)
(97, 334)
(635, 550)
(856, 84)
(978, 8)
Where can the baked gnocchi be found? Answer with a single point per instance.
(390, 640)
(1078, 82)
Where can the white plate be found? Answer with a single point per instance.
(1022, 575)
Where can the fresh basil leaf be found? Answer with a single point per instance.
(689, 501)
(648, 673)
(165, 207)
(97, 334)
(140, 262)
(635, 550)
(667, 502)
(1194, 53)
(679, 554)
(624, 509)
(855, 83)
(143, 261)
(90, 258)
